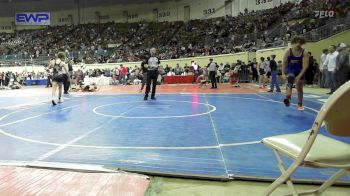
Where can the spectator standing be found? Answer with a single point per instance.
(274, 81)
(310, 72)
(331, 63)
(323, 79)
(262, 72)
(343, 65)
(267, 68)
(253, 68)
(279, 72)
(195, 68)
(143, 73)
(1, 78)
(221, 72)
(66, 79)
(122, 75)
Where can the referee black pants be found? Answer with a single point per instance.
(66, 83)
(152, 76)
(48, 81)
(212, 75)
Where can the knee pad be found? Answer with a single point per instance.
(290, 80)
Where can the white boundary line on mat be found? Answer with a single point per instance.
(70, 144)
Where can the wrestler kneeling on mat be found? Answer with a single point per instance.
(152, 74)
(295, 64)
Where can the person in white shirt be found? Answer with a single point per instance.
(194, 65)
(59, 69)
(171, 73)
(262, 71)
(195, 68)
(331, 63)
(323, 79)
(221, 72)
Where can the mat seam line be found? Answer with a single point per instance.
(216, 136)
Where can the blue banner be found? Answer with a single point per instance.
(33, 18)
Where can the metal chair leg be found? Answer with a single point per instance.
(285, 177)
(331, 181)
(282, 168)
(325, 185)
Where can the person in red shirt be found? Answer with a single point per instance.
(122, 75)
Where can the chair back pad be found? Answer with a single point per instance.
(338, 112)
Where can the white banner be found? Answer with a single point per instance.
(33, 18)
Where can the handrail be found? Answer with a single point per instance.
(329, 29)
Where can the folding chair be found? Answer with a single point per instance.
(311, 149)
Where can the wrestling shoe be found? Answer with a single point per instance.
(286, 102)
(301, 107)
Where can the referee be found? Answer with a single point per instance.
(152, 74)
(212, 74)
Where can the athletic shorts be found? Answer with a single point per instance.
(268, 74)
(57, 79)
(262, 71)
(295, 73)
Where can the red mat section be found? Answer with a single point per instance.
(223, 88)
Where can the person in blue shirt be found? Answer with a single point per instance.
(274, 73)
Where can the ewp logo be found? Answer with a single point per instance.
(32, 18)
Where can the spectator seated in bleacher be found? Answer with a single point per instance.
(125, 42)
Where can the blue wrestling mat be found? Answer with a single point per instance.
(193, 135)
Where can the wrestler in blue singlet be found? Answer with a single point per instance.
(294, 67)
